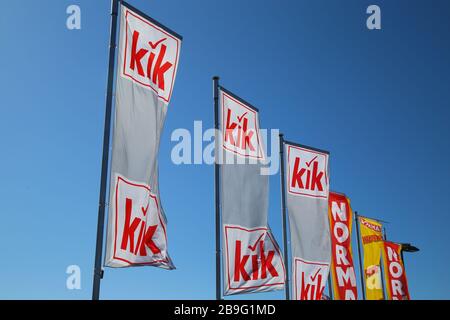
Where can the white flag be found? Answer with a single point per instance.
(252, 261)
(146, 68)
(307, 185)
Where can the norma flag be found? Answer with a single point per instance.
(146, 68)
(372, 241)
(307, 188)
(342, 268)
(395, 276)
(252, 261)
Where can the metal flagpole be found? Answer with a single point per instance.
(403, 258)
(361, 271)
(216, 186)
(283, 213)
(406, 247)
(330, 289)
(382, 265)
(330, 280)
(98, 271)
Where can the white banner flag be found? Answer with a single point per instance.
(307, 185)
(252, 260)
(146, 68)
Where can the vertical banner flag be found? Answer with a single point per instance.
(342, 268)
(395, 276)
(252, 261)
(372, 241)
(307, 185)
(146, 68)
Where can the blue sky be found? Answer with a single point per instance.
(377, 100)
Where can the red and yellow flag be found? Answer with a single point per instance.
(342, 268)
(394, 272)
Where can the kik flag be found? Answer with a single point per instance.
(307, 185)
(146, 69)
(372, 242)
(252, 261)
(394, 272)
(342, 268)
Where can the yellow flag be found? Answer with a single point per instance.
(372, 240)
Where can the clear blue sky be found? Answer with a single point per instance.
(377, 100)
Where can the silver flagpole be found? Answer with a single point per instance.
(382, 265)
(283, 214)
(361, 269)
(98, 271)
(216, 187)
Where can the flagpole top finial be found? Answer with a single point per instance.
(216, 78)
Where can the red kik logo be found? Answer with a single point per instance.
(312, 289)
(237, 133)
(313, 179)
(155, 65)
(261, 262)
(145, 234)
